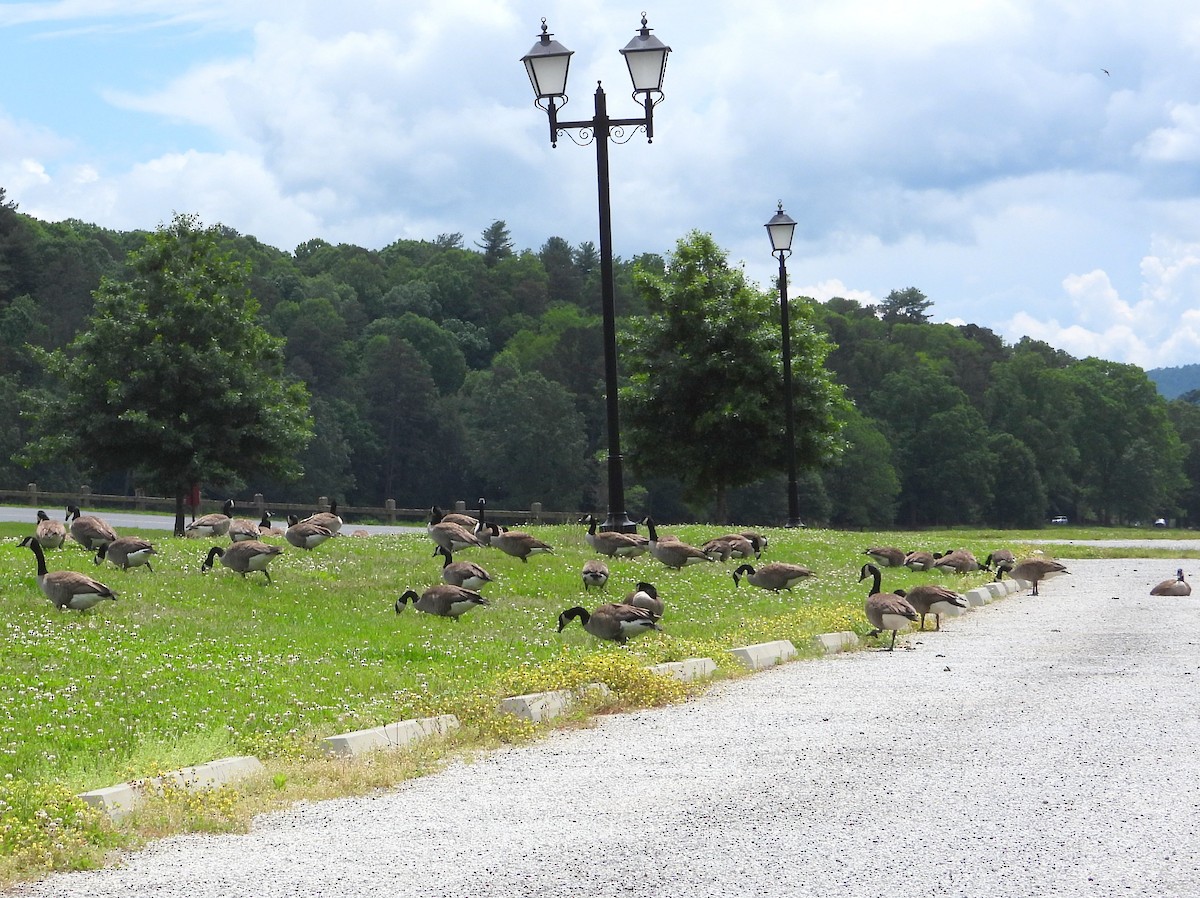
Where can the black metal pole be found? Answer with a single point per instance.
(617, 518)
(789, 412)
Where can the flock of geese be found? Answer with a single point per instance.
(639, 612)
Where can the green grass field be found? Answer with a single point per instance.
(187, 666)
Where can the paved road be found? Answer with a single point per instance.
(1040, 746)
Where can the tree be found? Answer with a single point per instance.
(862, 484)
(705, 395)
(174, 377)
(496, 244)
(909, 305)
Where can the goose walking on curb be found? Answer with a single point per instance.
(215, 524)
(1033, 570)
(445, 600)
(615, 622)
(671, 552)
(936, 600)
(67, 589)
(645, 596)
(595, 573)
(50, 534)
(126, 552)
(89, 530)
(305, 535)
(774, 576)
(614, 543)
(886, 610)
(1176, 586)
(467, 574)
(244, 557)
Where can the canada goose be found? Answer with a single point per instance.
(999, 557)
(958, 561)
(305, 535)
(920, 561)
(327, 519)
(50, 534)
(616, 622)
(436, 516)
(88, 530)
(614, 543)
(266, 528)
(774, 576)
(670, 551)
(1032, 570)
(1174, 587)
(757, 540)
(215, 524)
(482, 531)
(646, 596)
(595, 573)
(244, 557)
(729, 545)
(935, 600)
(126, 552)
(886, 556)
(467, 574)
(67, 589)
(886, 610)
(242, 529)
(451, 537)
(445, 600)
(518, 543)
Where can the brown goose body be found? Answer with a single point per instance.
(671, 551)
(305, 534)
(614, 543)
(959, 561)
(244, 557)
(616, 622)
(1176, 586)
(436, 516)
(595, 573)
(242, 530)
(50, 534)
(999, 557)
(729, 545)
(774, 576)
(67, 589)
(445, 600)
(451, 537)
(886, 556)
(215, 524)
(645, 596)
(935, 600)
(518, 543)
(89, 530)
(467, 574)
(886, 610)
(1033, 570)
(920, 561)
(126, 552)
(330, 520)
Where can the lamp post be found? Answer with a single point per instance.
(547, 64)
(780, 229)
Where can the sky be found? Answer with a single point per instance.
(1032, 166)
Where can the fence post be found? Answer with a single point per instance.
(536, 511)
(33, 491)
(139, 497)
(389, 510)
(460, 506)
(322, 503)
(260, 504)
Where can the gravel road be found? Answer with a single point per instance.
(1040, 746)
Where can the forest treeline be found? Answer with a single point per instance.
(445, 368)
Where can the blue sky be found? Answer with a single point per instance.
(976, 149)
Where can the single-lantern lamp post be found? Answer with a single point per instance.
(547, 64)
(780, 228)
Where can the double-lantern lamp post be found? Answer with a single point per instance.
(780, 229)
(546, 65)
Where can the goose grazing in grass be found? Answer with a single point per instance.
(266, 528)
(886, 610)
(451, 537)
(244, 557)
(304, 534)
(613, 543)
(615, 622)
(886, 556)
(935, 600)
(518, 543)
(646, 596)
(50, 534)
(442, 601)
(330, 520)
(1033, 570)
(215, 524)
(467, 574)
(436, 516)
(1176, 586)
(595, 573)
(730, 545)
(774, 576)
(242, 530)
(88, 530)
(757, 540)
(920, 561)
(999, 557)
(671, 552)
(958, 561)
(67, 589)
(126, 552)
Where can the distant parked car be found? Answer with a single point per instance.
(1160, 522)
(1059, 519)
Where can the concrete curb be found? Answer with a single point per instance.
(392, 735)
(538, 706)
(119, 800)
(687, 670)
(765, 654)
(832, 643)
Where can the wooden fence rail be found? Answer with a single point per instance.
(388, 513)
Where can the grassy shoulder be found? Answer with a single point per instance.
(186, 667)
